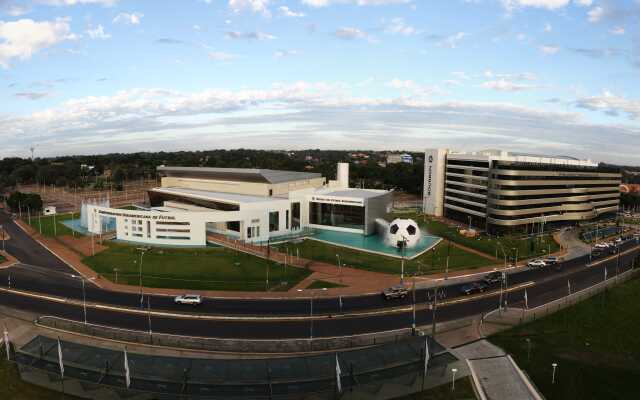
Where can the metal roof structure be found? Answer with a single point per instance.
(216, 196)
(271, 176)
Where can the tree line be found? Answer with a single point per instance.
(367, 167)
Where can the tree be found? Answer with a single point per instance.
(19, 201)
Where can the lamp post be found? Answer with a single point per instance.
(453, 379)
(142, 251)
(553, 374)
(339, 267)
(3, 245)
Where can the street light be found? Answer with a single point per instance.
(142, 251)
(553, 375)
(339, 267)
(453, 379)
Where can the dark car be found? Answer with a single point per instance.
(552, 260)
(493, 278)
(474, 287)
(395, 292)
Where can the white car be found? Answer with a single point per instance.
(189, 299)
(537, 264)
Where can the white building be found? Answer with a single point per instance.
(253, 205)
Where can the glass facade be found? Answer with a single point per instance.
(338, 215)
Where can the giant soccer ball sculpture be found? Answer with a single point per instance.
(403, 232)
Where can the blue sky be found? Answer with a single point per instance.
(543, 76)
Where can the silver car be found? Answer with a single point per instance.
(188, 299)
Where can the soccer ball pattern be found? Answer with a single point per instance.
(403, 232)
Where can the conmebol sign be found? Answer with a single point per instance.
(433, 196)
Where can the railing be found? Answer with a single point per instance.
(223, 344)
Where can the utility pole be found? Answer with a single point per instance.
(434, 308)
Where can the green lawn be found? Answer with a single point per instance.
(596, 344)
(429, 262)
(13, 388)
(45, 224)
(2, 259)
(216, 268)
(324, 284)
(526, 248)
(464, 391)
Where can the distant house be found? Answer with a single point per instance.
(399, 158)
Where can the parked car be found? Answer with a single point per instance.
(473, 287)
(536, 264)
(188, 299)
(596, 252)
(493, 278)
(395, 292)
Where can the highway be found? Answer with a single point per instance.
(52, 277)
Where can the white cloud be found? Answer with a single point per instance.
(548, 27)
(617, 30)
(221, 56)
(248, 35)
(128, 18)
(285, 53)
(452, 40)
(398, 26)
(287, 12)
(402, 84)
(14, 10)
(506, 85)
(549, 50)
(611, 105)
(350, 33)
(256, 6)
(325, 3)
(308, 115)
(22, 38)
(106, 3)
(98, 33)
(595, 14)
(583, 3)
(510, 5)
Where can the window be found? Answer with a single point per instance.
(286, 221)
(295, 216)
(270, 192)
(274, 221)
(338, 215)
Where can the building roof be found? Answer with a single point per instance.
(355, 193)
(216, 196)
(239, 174)
(502, 155)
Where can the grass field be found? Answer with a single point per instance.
(526, 248)
(13, 388)
(596, 345)
(430, 262)
(203, 269)
(45, 224)
(464, 391)
(324, 284)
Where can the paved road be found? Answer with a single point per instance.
(54, 277)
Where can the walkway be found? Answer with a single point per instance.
(495, 374)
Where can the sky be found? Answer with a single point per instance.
(553, 77)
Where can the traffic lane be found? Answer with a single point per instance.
(26, 249)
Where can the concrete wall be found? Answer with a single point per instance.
(377, 207)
